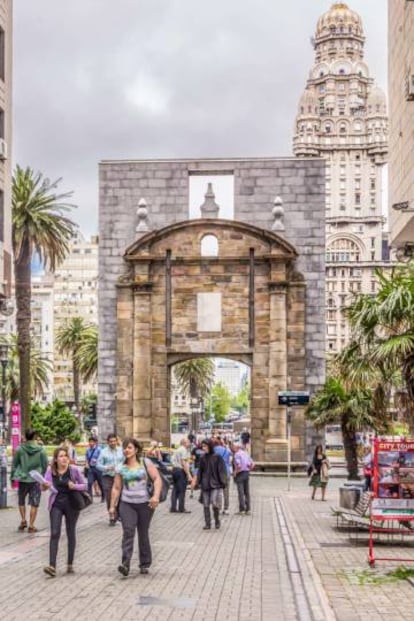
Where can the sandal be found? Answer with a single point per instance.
(50, 571)
(32, 529)
(22, 526)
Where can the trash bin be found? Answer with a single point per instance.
(348, 496)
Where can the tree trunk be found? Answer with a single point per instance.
(76, 386)
(23, 320)
(350, 447)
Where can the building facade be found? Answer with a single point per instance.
(42, 324)
(401, 103)
(5, 153)
(257, 300)
(342, 118)
(230, 374)
(75, 295)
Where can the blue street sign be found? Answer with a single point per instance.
(291, 398)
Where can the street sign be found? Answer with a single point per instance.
(291, 398)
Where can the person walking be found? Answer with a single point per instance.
(68, 444)
(181, 474)
(109, 460)
(29, 456)
(367, 467)
(137, 487)
(242, 465)
(211, 479)
(62, 480)
(91, 460)
(223, 450)
(319, 472)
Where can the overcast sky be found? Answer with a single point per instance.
(98, 79)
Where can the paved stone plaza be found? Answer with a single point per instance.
(285, 562)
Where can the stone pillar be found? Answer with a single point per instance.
(142, 362)
(125, 325)
(277, 360)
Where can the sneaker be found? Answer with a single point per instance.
(70, 570)
(217, 525)
(247, 513)
(207, 527)
(123, 569)
(144, 570)
(240, 512)
(50, 571)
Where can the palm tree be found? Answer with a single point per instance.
(195, 377)
(384, 325)
(87, 353)
(40, 368)
(38, 226)
(333, 403)
(69, 339)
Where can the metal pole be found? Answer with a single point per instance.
(3, 448)
(289, 433)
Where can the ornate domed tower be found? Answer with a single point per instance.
(342, 117)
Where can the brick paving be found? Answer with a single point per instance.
(286, 562)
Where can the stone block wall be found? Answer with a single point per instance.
(165, 186)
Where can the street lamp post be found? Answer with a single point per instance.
(3, 449)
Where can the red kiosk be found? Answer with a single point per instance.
(393, 491)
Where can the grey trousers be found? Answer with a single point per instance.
(242, 482)
(107, 483)
(136, 517)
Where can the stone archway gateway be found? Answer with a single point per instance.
(254, 298)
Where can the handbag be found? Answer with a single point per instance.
(79, 500)
(165, 484)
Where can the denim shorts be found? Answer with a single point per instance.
(34, 491)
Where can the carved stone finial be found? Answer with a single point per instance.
(209, 209)
(278, 214)
(142, 215)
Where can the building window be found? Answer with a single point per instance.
(209, 246)
(342, 251)
(372, 184)
(357, 198)
(372, 242)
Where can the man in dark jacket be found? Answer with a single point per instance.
(29, 456)
(211, 479)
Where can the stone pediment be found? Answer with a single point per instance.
(234, 239)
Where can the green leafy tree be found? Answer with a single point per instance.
(242, 400)
(38, 226)
(219, 402)
(195, 377)
(54, 422)
(69, 341)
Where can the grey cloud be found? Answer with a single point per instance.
(220, 79)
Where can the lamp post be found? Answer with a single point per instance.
(3, 448)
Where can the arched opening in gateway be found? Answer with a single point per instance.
(209, 396)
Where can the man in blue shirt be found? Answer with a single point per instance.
(110, 458)
(224, 452)
(91, 460)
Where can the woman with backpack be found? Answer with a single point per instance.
(138, 486)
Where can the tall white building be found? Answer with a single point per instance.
(42, 324)
(342, 117)
(75, 295)
(230, 374)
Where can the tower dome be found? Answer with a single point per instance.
(376, 101)
(307, 103)
(339, 19)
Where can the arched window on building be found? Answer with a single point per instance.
(343, 251)
(209, 246)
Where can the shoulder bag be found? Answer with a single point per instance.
(165, 484)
